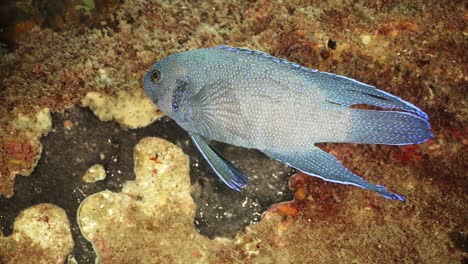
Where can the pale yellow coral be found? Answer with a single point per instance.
(43, 231)
(132, 110)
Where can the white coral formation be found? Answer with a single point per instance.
(130, 110)
(94, 173)
(151, 220)
(43, 231)
(36, 126)
(150, 214)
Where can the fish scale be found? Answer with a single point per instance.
(251, 99)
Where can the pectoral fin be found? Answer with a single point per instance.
(214, 102)
(320, 164)
(229, 174)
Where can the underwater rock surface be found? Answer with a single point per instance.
(415, 50)
(155, 209)
(79, 140)
(41, 232)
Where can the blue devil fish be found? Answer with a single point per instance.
(251, 99)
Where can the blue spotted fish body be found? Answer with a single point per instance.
(251, 99)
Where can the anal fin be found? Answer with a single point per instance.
(318, 163)
(230, 175)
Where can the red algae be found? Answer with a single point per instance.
(407, 154)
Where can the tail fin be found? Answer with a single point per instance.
(387, 127)
(409, 126)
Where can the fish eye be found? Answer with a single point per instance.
(155, 75)
(175, 107)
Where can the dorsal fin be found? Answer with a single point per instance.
(343, 90)
(263, 55)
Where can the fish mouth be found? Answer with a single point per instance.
(147, 88)
(163, 106)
